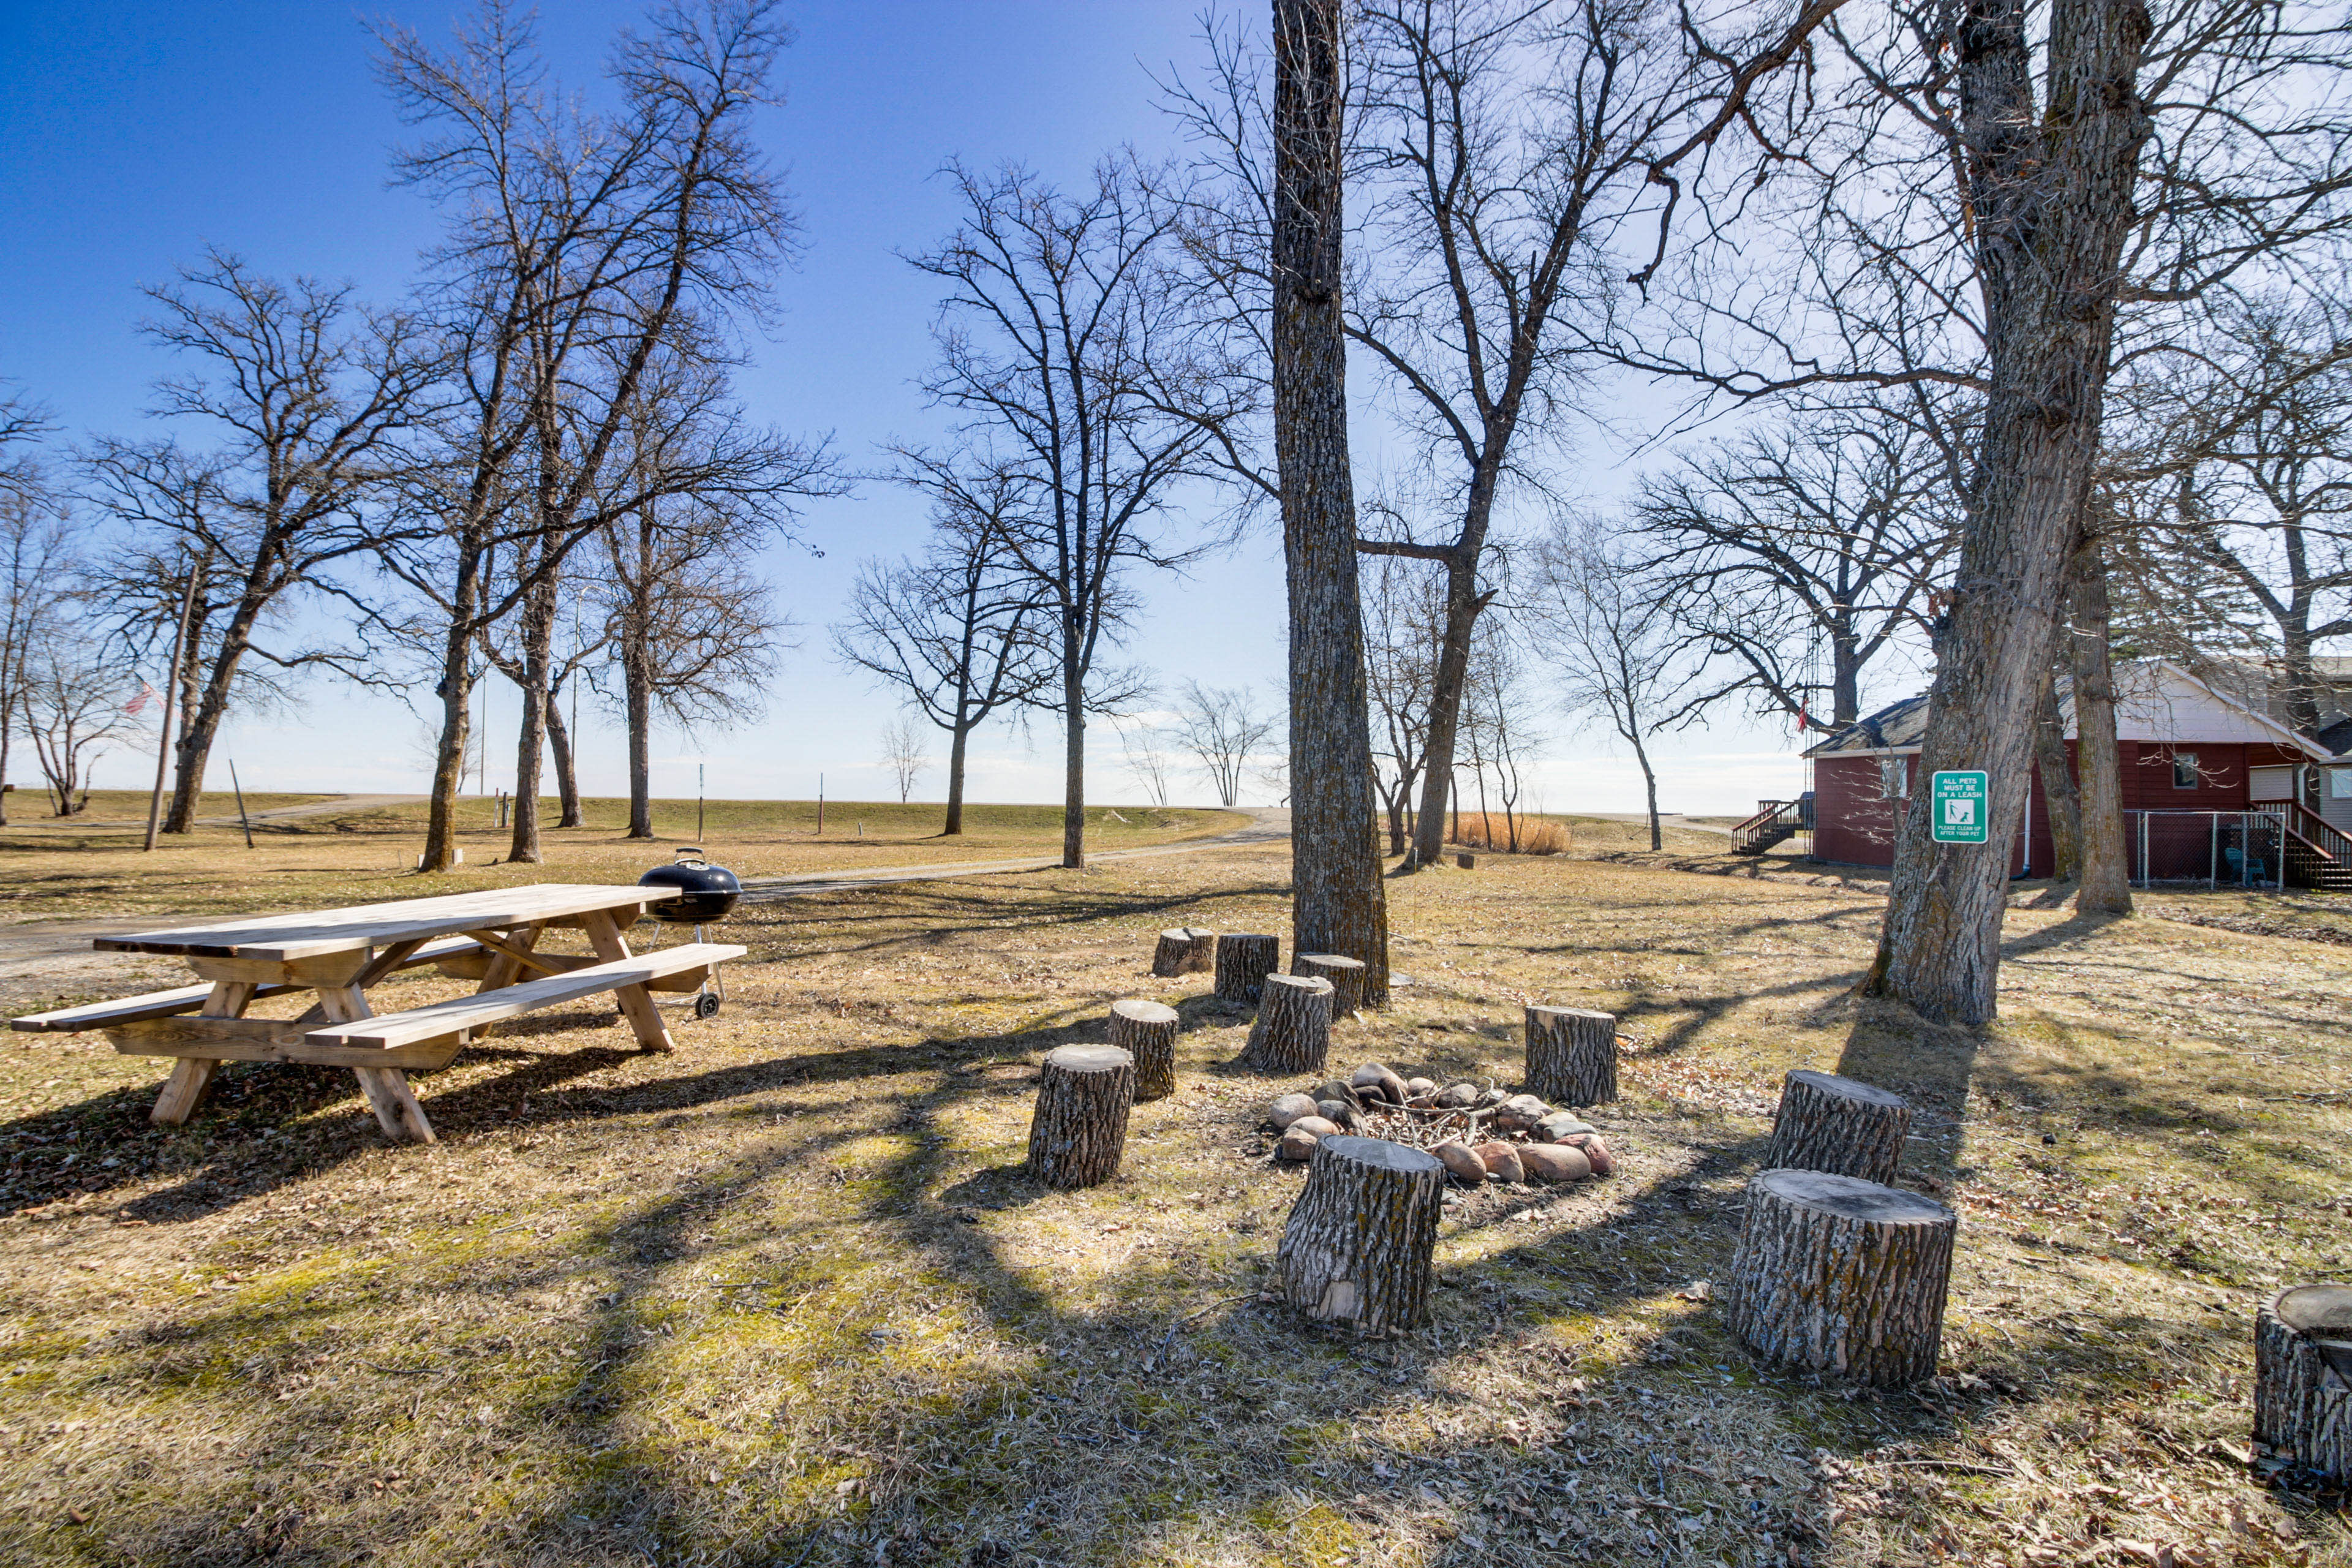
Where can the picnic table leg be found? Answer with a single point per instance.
(636, 1002)
(388, 1094)
(192, 1076)
(506, 968)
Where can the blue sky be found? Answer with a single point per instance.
(134, 134)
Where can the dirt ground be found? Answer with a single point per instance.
(784, 1297)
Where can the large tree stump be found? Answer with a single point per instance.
(2302, 1377)
(1187, 950)
(1147, 1031)
(1346, 975)
(1572, 1056)
(1244, 961)
(1840, 1125)
(1842, 1275)
(1080, 1124)
(1293, 1031)
(1360, 1245)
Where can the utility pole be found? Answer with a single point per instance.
(171, 694)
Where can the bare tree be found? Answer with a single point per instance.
(1056, 328)
(37, 565)
(1223, 728)
(309, 397)
(903, 754)
(1611, 652)
(961, 631)
(580, 248)
(1147, 759)
(1403, 614)
(74, 708)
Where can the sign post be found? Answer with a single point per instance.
(1962, 803)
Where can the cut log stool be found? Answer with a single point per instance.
(1080, 1125)
(1842, 1275)
(1360, 1245)
(1185, 951)
(1346, 975)
(1244, 961)
(1841, 1125)
(1147, 1031)
(1293, 1031)
(2303, 1378)
(1572, 1056)
(1467, 861)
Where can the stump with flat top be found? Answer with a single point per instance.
(1293, 1031)
(1360, 1245)
(1841, 1125)
(1346, 975)
(1467, 861)
(1187, 950)
(1244, 961)
(2303, 1378)
(1572, 1056)
(1843, 1276)
(1147, 1031)
(1080, 1124)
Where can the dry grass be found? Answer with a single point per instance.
(784, 1297)
(94, 865)
(1523, 835)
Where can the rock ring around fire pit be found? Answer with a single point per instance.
(1482, 1133)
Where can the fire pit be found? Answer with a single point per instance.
(1481, 1132)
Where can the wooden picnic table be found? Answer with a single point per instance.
(491, 935)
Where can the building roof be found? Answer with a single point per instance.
(2156, 702)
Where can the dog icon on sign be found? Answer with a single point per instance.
(1959, 813)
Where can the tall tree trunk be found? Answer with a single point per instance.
(2058, 796)
(1074, 765)
(206, 708)
(567, 772)
(1845, 678)
(1338, 903)
(638, 694)
(961, 735)
(2050, 198)
(2106, 869)
(2302, 682)
(1462, 607)
(531, 741)
(456, 691)
(1650, 785)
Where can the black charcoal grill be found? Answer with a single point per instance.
(705, 893)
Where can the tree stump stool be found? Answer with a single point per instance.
(1844, 1276)
(1185, 951)
(1147, 1031)
(1244, 961)
(2303, 1378)
(1466, 861)
(1293, 1031)
(1346, 975)
(1360, 1245)
(1080, 1125)
(1572, 1056)
(1840, 1125)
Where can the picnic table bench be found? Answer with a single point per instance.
(491, 936)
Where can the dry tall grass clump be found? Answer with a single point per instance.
(1513, 832)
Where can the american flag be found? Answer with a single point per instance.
(138, 704)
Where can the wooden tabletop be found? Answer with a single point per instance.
(287, 937)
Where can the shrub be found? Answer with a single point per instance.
(1492, 830)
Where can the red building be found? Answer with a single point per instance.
(2212, 787)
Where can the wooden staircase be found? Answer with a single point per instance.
(1775, 823)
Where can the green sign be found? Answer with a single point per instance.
(1963, 806)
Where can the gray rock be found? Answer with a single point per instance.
(1502, 1161)
(1297, 1144)
(1458, 1095)
(1420, 1088)
(1466, 1166)
(1560, 1126)
(1289, 1109)
(1316, 1126)
(1520, 1112)
(1492, 1097)
(1332, 1089)
(1554, 1162)
(1340, 1113)
(1372, 1081)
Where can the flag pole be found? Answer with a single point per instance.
(171, 692)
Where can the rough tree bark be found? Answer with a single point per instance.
(567, 773)
(2050, 192)
(1839, 1125)
(2105, 887)
(2057, 785)
(1244, 961)
(1346, 975)
(1841, 1276)
(1293, 1031)
(1146, 1032)
(1339, 903)
(1079, 1128)
(1572, 1056)
(1360, 1245)
(538, 640)
(2302, 1377)
(1185, 950)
